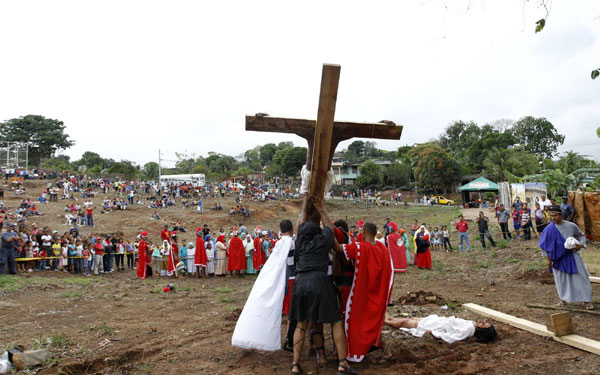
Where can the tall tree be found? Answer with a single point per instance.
(90, 159)
(458, 137)
(434, 167)
(266, 153)
(370, 174)
(151, 170)
(538, 136)
(44, 135)
(126, 168)
(397, 174)
(355, 150)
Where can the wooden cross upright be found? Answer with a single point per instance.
(323, 135)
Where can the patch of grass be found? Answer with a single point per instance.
(424, 276)
(513, 260)
(439, 266)
(225, 299)
(80, 280)
(6, 281)
(231, 308)
(493, 254)
(482, 264)
(71, 294)
(452, 305)
(502, 244)
(223, 289)
(59, 340)
(535, 266)
(156, 290)
(187, 288)
(146, 368)
(108, 331)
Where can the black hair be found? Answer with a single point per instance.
(306, 233)
(485, 335)
(370, 228)
(342, 224)
(286, 226)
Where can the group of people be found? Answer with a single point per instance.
(323, 273)
(29, 248)
(526, 221)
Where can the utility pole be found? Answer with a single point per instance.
(159, 168)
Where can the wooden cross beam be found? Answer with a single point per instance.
(323, 135)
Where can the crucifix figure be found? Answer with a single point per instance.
(322, 135)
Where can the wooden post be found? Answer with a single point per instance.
(560, 323)
(321, 147)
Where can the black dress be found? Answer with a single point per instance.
(314, 296)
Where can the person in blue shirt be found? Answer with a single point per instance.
(7, 251)
(568, 211)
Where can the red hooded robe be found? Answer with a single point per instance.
(236, 260)
(257, 261)
(142, 259)
(397, 251)
(369, 296)
(200, 259)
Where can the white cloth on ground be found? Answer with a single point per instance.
(449, 329)
(259, 324)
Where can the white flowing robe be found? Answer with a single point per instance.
(259, 324)
(449, 329)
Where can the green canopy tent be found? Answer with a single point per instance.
(478, 185)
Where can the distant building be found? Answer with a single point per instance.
(346, 172)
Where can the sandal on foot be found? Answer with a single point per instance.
(589, 306)
(297, 366)
(346, 369)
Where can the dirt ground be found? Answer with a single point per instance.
(117, 324)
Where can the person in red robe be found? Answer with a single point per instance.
(423, 252)
(397, 251)
(373, 283)
(143, 258)
(258, 261)
(359, 236)
(200, 258)
(236, 261)
(173, 255)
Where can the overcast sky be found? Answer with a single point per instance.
(131, 77)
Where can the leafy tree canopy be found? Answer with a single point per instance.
(537, 136)
(370, 174)
(44, 135)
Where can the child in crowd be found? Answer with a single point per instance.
(78, 257)
(437, 238)
(446, 238)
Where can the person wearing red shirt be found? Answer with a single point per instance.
(463, 227)
(165, 234)
(98, 252)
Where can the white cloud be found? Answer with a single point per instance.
(131, 77)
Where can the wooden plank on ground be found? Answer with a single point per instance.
(595, 279)
(576, 341)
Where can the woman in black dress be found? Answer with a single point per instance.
(314, 297)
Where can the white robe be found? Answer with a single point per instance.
(449, 329)
(259, 324)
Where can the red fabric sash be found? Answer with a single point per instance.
(200, 258)
(398, 252)
(237, 255)
(142, 261)
(369, 296)
(257, 261)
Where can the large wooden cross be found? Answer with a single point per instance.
(323, 135)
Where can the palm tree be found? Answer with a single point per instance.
(501, 163)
